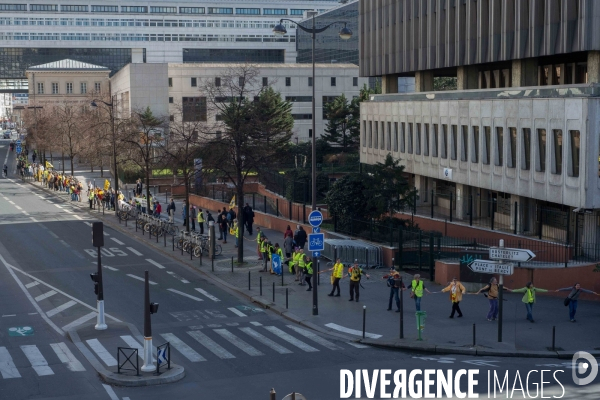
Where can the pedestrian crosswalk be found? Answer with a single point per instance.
(44, 360)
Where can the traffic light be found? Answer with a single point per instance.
(94, 276)
(153, 308)
(97, 234)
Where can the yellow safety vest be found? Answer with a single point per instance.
(201, 217)
(309, 269)
(301, 260)
(279, 252)
(355, 274)
(338, 270)
(258, 237)
(237, 232)
(262, 246)
(417, 288)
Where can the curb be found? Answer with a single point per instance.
(175, 374)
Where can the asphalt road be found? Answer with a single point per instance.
(229, 348)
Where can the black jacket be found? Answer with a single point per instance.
(300, 238)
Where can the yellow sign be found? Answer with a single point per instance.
(106, 184)
(232, 202)
(48, 165)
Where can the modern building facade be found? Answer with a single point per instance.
(165, 87)
(518, 143)
(114, 33)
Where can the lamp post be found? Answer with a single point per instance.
(345, 34)
(111, 106)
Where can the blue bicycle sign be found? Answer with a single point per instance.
(316, 242)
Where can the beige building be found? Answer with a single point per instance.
(66, 81)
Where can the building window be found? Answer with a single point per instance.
(170, 100)
(376, 135)
(170, 82)
(111, 9)
(403, 137)
(54, 88)
(499, 146)
(418, 139)
(370, 134)
(465, 144)
(396, 137)
(333, 81)
(220, 10)
(40, 88)
(98, 87)
(298, 99)
(69, 88)
(444, 147)
(382, 136)
(219, 135)
(389, 136)
(248, 11)
(475, 155)
(410, 138)
(355, 81)
(134, 9)
(265, 81)
(302, 116)
(526, 164)
(541, 150)
(558, 147)
(73, 8)
(43, 7)
(13, 7)
(297, 12)
(274, 11)
(288, 81)
(454, 152)
(434, 141)
(83, 87)
(191, 10)
(194, 109)
(487, 142)
(163, 10)
(364, 133)
(575, 151)
(241, 81)
(310, 82)
(426, 141)
(171, 118)
(513, 147)
(194, 82)
(217, 82)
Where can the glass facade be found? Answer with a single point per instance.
(233, 55)
(329, 47)
(14, 61)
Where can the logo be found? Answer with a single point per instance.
(580, 367)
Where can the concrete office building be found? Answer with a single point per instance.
(518, 142)
(165, 86)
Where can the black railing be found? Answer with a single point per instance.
(163, 352)
(133, 354)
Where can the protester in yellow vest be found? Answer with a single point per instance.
(258, 237)
(201, 221)
(355, 273)
(337, 272)
(300, 262)
(417, 287)
(308, 267)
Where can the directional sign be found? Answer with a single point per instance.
(316, 242)
(491, 267)
(276, 263)
(18, 149)
(161, 356)
(18, 142)
(20, 331)
(521, 255)
(315, 218)
(317, 229)
(316, 254)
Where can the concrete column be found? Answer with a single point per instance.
(389, 84)
(423, 189)
(423, 81)
(525, 72)
(467, 78)
(593, 67)
(462, 201)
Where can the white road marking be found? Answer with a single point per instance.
(54, 235)
(352, 331)
(7, 366)
(255, 323)
(101, 351)
(105, 234)
(131, 342)
(60, 308)
(357, 345)
(25, 213)
(174, 275)
(117, 241)
(11, 202)
(32, 284)
(185, 294)
(80, 321)
(315, 338)
(78, 217)
(290, 339)
(66, 357)
(68, 211)
(45, 295)
(210, 296)
(18, 208)
(65, 243)
(183, 348)
(58, 205)
(111, 393)
(9, 315)
(37, 360)
(266, 341)
(211, 345)
(88, 223)
(141, 279)
(239, 343)
(32, 313)
(111, 268)
(134, 251)
(237, 312)
(155, 263)
(33, 219)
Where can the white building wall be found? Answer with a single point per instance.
(137, 86)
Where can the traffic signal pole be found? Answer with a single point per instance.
(98, 242)
(149, 308)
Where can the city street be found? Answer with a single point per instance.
(229, 347)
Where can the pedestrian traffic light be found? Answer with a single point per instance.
(98, 234)
(94, 276)
(153, 308)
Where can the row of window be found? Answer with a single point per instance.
(182, 23)
(139, 37)
(474, 146)
(153, 9)
(54, 88)
(265, 82)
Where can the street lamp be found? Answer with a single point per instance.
(345, 34)
(114, 143)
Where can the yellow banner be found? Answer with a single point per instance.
(232, 202)
(48, 165)
(106, 184)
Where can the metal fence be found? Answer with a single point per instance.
(349, 251)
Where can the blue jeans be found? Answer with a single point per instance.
(225, 235)
(394, 293)
(529, 307)
(572, 309)
(418, 303)
(493, 313)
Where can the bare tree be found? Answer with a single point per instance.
(70, 128)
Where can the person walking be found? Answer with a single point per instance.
(491, 291)
(308, 272)
(528, 298)
(337, 273)
(288, 232)
(258, 242)
(300, 237)
(573, 298)
(288, 246)
(417, 287)
(224, 225)
(263, 251)
(184, 214)
(300, 261)
(456, 290)
(394, 282)
(248, 218)
(355, 272)
(201, 221)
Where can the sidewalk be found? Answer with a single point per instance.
(338, 316)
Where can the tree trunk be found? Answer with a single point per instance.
(147, 173)
(186, 182)
(72, 169)
(240, 215)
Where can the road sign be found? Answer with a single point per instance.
(18, 149)
(315, 218)
(491, 267)
(316, 242)
(520, 255)
(317, 229)
(276, 263)
(18, 142)
(161, 355)
(316, 254)
(20, 331)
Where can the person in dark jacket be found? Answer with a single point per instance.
(573, 297)
(171, 210)
(300, 237)
(248, 218)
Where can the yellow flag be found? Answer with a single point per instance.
(106, 184)
(232, 202)
(48, 165)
